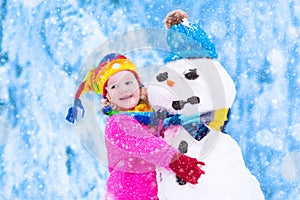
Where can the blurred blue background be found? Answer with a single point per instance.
(44, 43)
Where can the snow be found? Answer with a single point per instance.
(31, 3)
(225, 173)
(295, 132)
(269, 139)
(43, 45)
(291, 166)
(224, 165)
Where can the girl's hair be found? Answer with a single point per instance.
(144, 95)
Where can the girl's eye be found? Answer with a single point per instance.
(128, 82)
(113, 87)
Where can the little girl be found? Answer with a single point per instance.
(133, 150)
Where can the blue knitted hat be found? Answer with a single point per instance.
(187, 40)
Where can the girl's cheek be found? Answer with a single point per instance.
(113, 95)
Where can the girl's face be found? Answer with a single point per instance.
(123, 90)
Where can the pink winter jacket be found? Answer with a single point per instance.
(133, 153)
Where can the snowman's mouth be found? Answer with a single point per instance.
(126, 97)
(178, 105)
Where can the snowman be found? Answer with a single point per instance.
(192, 83)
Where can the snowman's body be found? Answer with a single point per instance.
(226, 176)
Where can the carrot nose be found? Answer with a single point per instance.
(170, 83)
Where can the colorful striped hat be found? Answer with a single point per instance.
(96, 79)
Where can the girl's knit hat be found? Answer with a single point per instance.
(96, 79)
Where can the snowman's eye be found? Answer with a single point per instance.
(162, 77)
(191, 74)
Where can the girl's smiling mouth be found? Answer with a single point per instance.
(126, 97)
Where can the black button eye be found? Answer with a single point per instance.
(193, 100)
(191, 74)
(178, 105)
(162, 77)
(183, 146)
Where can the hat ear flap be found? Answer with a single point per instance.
(87, 85)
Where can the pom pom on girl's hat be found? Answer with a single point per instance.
(96, 79)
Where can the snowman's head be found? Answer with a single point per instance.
(196, 85)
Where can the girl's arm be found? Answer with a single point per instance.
(127, 134)
(127, 138)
